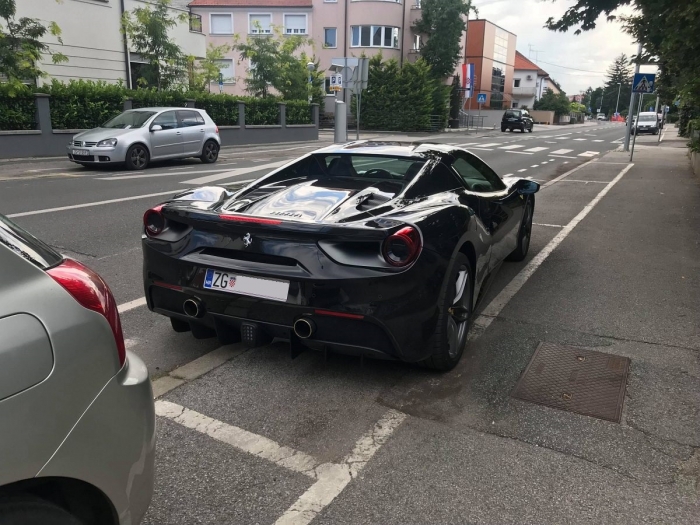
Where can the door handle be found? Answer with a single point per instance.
(201, 131)
(178, 133)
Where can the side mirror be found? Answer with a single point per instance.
(527, 187)
(156, 127)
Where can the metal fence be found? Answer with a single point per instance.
(470, 122)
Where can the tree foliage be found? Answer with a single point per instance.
(619, 72)
(204, 72)
(549, 101)
(147, 29)
(22, 47)
(442, 22)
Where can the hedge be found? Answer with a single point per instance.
(17, 112)
(81, 104)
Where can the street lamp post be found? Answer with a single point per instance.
(310, 66)
(618, 97)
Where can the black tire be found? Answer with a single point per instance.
(524, 235)
(448, 345)
(531, 128)
(503, 130)
(30, 510)
(179, 325)
(210, 152)
(522, 128)
(137, 157)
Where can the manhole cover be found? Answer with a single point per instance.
(569, 378)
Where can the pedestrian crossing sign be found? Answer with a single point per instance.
(643, 82)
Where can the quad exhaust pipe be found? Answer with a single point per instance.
(193, 308)
(304, 328)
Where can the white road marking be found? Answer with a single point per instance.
(89, 204)
(534, 165)
(537, 149)
(243, 440)
(333, 478)
(508, 175)
(467, 144)
(483, 149)
(513, 146)
(549, 142)
(561, 157)
(520, 152)
(589, 154)
(125, 307)
(586, 181)
(495, 307)
(599, 140)
(490, 145)
(544, 136)
(520, 171)
(548, 225)
(580, 139)
(234, 172)
(154, 175)
(565, 175)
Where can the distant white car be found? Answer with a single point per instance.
(601, 116)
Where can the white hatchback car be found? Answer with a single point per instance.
(138, 136)
(77, 416)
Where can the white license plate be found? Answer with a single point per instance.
(81, 152)
(245, 285)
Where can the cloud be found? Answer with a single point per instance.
(592, 51)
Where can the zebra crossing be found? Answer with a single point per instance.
(511, 148)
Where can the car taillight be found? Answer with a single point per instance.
(402, 247)
(217, 130)
(91, 292)
(154, 221)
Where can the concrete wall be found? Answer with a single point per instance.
(695, 162)
(542, 117)
(47, 142)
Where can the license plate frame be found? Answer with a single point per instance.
(81, 152)
(260, 287)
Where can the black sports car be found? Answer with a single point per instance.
(370, 248)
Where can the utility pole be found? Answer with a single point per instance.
(628, 130)
(618, 97)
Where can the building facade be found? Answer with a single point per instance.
(492, 50)
(529, 82)
(92, 38)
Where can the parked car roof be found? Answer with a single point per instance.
(165, 108)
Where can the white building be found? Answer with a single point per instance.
(92, 39)
(529, 82)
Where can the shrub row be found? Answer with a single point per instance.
(81, 104)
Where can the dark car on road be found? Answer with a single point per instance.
(517, 119)
(369, 248)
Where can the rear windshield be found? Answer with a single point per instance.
(129, 120)
(336, 165)
(25, 244)
(511, 114)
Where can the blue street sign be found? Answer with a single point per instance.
(481, 98)
(643, 82)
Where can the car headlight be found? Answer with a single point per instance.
(107, 143)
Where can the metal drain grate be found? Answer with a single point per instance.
(581, 381)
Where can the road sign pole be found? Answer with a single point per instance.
(629, 126)
(634, 139)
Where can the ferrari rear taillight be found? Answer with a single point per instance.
(90, 290)
(153, 221)
(402, 248)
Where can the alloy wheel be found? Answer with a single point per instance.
(527, 229)
(210, 151)
(138, 157)
(458, 319)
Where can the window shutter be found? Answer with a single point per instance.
(295, 24)
(221, 24)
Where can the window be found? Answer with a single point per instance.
(477, 176)
(328, 87)
(516, 82)
(190, 118)
(417, 42)
(129, 120)
(259, 24)
(330, 38)
(498, 83)
(221, 24)
(166, 120)
(375, 36)
(195, 23)
(515, 104)
(440, 179)
(226, 70)
(295, 25)
(500, 47)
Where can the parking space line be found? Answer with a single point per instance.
(547, 225)
(125, 307)
(240, 439)
(520, 152)
(587, 181)
(494, 308)
(333, 478)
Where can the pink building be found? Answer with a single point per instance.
(338, 28)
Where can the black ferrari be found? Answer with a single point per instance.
(376, 249)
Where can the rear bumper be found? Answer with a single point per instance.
(112, 447)
(389, 316)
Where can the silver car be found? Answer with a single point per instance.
(139, 136)
(76, 408)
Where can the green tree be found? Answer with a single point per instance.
(147, 29)
(22, 47)
(549, 101)
(587, 99)
(442, 23)
(618, 80)
(205, 71)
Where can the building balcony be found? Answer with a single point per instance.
(524, 91)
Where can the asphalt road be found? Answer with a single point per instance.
(263, 439)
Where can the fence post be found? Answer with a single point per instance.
(315, 112)
(190, 103)
(241, 115)
(283, 114)
(128, 104)
(43, 113)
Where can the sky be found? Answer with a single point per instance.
(592, 51)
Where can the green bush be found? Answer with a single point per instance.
(17, 112)
(261, 111)
(151, 97)
(223, 109)
(81, 104)
(298, 112)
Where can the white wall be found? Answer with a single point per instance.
(91, 38)
(522, 97)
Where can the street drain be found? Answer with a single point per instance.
(581, 381)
